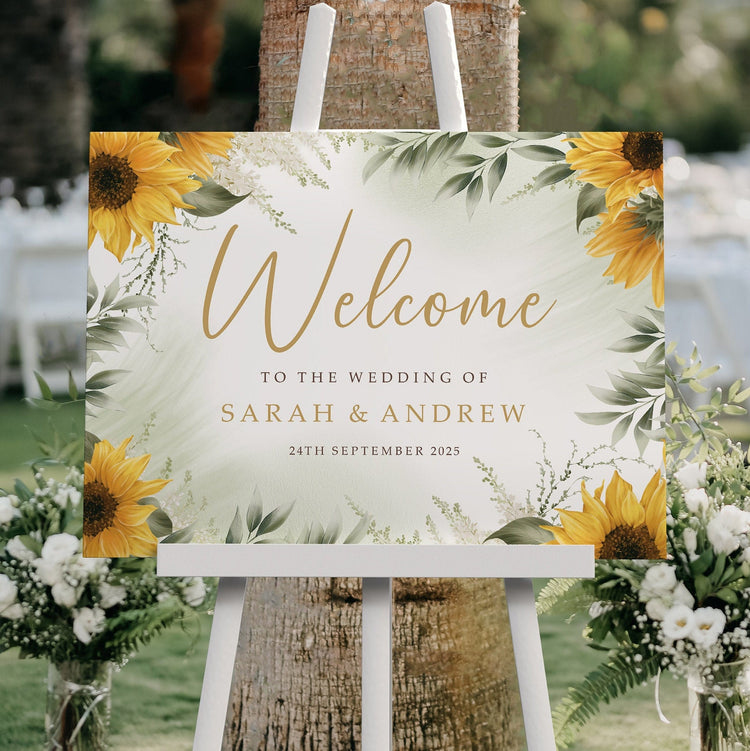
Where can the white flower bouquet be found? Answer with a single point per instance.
(688, 615)
(56, 604)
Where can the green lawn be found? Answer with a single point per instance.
(154, 697)
(628, 723)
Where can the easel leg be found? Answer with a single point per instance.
(532, 680)
(222, 651)
(377, 711)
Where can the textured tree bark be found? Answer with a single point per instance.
(44, 123)
(380, 74)
(297, 678)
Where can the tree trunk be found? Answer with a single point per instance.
(380, 76)
(297, 678)
(44, 124)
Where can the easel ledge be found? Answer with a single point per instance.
(377, 561)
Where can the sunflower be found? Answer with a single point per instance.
(621, 527)
(194, 149)
(132, 184)
(623, 163)
(114, 523)
(636, 239)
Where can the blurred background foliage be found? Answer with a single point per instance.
(682, 66)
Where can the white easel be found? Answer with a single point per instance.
(376, 564)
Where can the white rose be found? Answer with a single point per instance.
(60, 547)
(707, 626)
(87, 622)
(691, 475)
(690, 538)
(678, 622)
(725, 528)
(697, 501)
(682, 596)
(194, 592)
(659, 581)
(7, 510)
(111, 594)
(64, 595)
(50, 572)
(734, 519)
(9, 608)
(18, 550)
(656, 609)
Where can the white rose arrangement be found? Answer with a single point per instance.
(56, 604)
(688, 615)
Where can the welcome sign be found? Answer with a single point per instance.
(375, 337)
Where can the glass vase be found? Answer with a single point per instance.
(720, 708)
(78, 706)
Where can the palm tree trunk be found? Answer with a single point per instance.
(380, 74)
(297, 679)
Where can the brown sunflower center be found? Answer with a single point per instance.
(112, 182)
(100, 508)
(643, 150)
(629, 542)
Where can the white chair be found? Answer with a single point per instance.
(50, 293)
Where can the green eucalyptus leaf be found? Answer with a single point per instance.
(359, 532)
(272, 521)
(468, 160)
(591, 203)
(100, 399)
(254, 513)
(92, 291)
(105, 378)
(490, 141)
(211, 199)
(525, 531)
(598, 418)
(539, 153)
(234, 535)
(89, 441)
(551, 175)
(159, 523)
(121, 323)
(181, 535)
(133, 301)
(110, 293)
(454, 185)
(474, 195)
(496, 172)
(621, 429)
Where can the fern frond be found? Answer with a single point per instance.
(566, 596)
(613, 678)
